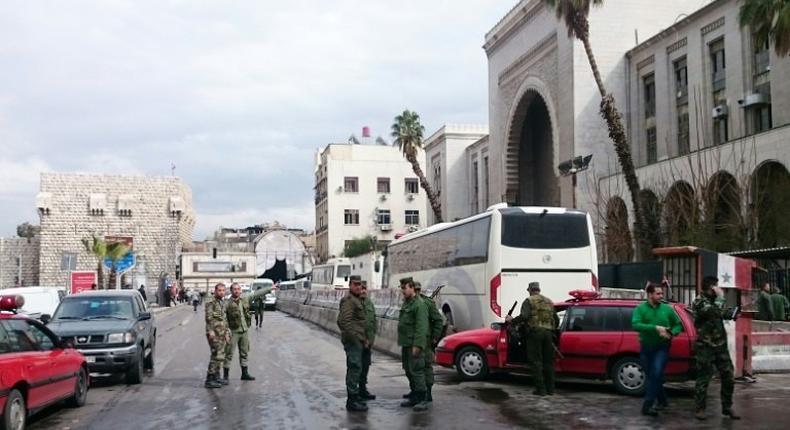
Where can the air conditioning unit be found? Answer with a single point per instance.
(383, 197)
(385, 227)
(413, 228)
(755, 99)
(410, 196)
(720, 111)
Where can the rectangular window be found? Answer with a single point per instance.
(486, 199)
(683, 130)
(720, 131)
(351, 217)
(596, 318)
(383, 185)
(718, 65)
(351, 184)
(652, 150)
(761, 117)
(411, 185)
(412, 217)
(681, 80)
(650, 95)
(544, 231)
(436, 167)
(475, 188)
(384, 217)
(762, 57)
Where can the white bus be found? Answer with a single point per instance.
(485, 262)
(369, 268)
(333, 274)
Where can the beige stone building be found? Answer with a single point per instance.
(201, 271)
(19, 261)
(154, 213)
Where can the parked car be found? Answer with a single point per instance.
(39, 301)
(38, 368)
(595, 341)
(113, 329)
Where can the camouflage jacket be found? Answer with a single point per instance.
(413, 323)
(351, 319)
(238, 310)
(435, 319)
(537, 312)
(708, 316)
(216, 323)
(370, 320)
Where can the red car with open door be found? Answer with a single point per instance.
(595, 341)
(36, 368)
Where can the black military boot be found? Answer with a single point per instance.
(428, 395)
(354, 405)
(211, 382)
(245, 375)
(728, 412)
(225, 374)
(408, 395)
(421, 404)
(364, 394)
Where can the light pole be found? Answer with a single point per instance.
(572, 167)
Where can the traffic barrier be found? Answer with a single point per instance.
(771, 351)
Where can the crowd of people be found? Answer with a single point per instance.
(772, 305)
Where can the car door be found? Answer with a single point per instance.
(680, 359)
(143, 328)
(34, 365)
(589, 336)
(62, 368)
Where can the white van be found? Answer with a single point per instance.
(38, 300)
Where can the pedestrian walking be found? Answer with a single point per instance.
(657, 323)
(237, 310)
(540, 319)
(370, 334)
(780, 305)
(435, 326)
(142, 292)
(765, 311)
(351, 321)
(413, 334)
(217, 334)
(257, 305)
(711, 348)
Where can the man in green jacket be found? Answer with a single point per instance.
(239, 317)
(351, 321)
(370, 332)
(764, 310)
(413, 335)
(780, 305)
(435, 326)
(657, 323)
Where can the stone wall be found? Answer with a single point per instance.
(156, 212)
(15, 252)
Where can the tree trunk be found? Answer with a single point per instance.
(617, 134)
(99, 276)
(432, 197)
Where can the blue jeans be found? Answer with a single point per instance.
(654, 360)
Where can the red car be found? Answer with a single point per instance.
(36, 368)
(595, 341)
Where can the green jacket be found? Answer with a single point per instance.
(435, 319)
(238, 311)
(708, 320)
(216, 322)
(780, 306)
(537, 312)
(351, 319)
(764, 310)
(370, 320)
(645, 319)
(413, 323)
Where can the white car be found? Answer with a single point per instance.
(39, 301)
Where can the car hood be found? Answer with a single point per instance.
(75, 327)
(478, 334)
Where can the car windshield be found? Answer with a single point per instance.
(94, 308)
(343, 271)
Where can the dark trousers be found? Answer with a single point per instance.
(353, 350)
(654, 360)
(258, 317)
(363, 377)
(540, 351)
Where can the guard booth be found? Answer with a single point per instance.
(686, 266)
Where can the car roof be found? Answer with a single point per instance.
(609, 302)
(103, 293)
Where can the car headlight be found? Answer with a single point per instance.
(127, 337)
(441, 343)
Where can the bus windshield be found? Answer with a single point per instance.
(544, 231)
(343, 271)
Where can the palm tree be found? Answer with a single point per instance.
(770, 22)
(575, 14)
(407, 134)
(98, 247)
(115, 252)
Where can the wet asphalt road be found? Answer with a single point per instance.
(300, 370)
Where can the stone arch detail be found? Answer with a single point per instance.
(619, 245)
(651, 208)
(723, 215)
(679, 213)
(770, 200)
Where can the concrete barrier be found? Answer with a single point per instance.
(771, 351)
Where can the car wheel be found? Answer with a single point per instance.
(471, 364)
(80, 389)
(629, 377)
(135, 374)
(149, 361)
(15, 411)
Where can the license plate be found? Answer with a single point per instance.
(90, 359)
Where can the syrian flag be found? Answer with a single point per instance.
(733, 272)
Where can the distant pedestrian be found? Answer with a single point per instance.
(413, 338)
(540, 318)
(237, 310)
(367, 352)
(351, 321)
(780, 305)
(217, 334)
(765, 311)
(711, 348)
(93, 286)
(657, 323)
(142, 292)
(257, 306)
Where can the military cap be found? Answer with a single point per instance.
(406, 280)
(534, 286)
(355, 278)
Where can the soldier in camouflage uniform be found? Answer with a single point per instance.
(217, 334)
(351, 320)
(257, 306)
(540, 318)
(367, 353)
(711, 348)
(413, 338)
(239, 318)
(435, 326)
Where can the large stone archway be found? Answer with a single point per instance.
(530, 158)
(770, 199)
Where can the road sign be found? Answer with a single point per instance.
(123, 265)
(82, 281)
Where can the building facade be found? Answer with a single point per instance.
(19, 261)
(153, 214)
(201, 271)
(363, 190)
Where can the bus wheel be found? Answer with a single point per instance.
(470, 363)
(448, 321)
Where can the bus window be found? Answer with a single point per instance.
(544, 231)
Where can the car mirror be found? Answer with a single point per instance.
(345, 278)
(142, 316)
(46, 318)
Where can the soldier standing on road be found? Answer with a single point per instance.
(538, 313)
(257, 304)
(413, 338)
(217, 334)
(779, 304)
(711, 348)
(351, 321)
(237, 310)
(436, 324)
(367, 352)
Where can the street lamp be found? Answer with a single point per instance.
(572, 167)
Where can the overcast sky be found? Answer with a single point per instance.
(237, 94)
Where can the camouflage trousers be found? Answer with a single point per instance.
(242, 341)
(708, 359)
(217, 347)
(414, 367)
(540, 352)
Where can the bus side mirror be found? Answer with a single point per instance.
(376, 267)
(346, 278)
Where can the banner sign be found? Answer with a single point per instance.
(82, 281)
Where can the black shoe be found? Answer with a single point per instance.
(411, 401)
(364, 395)
(408, 395)
(420, 403)
(649, 411)
(245, 375)
(660, 406)
(352, 405)
(212, 382)
(730, 413)
(224, 379)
